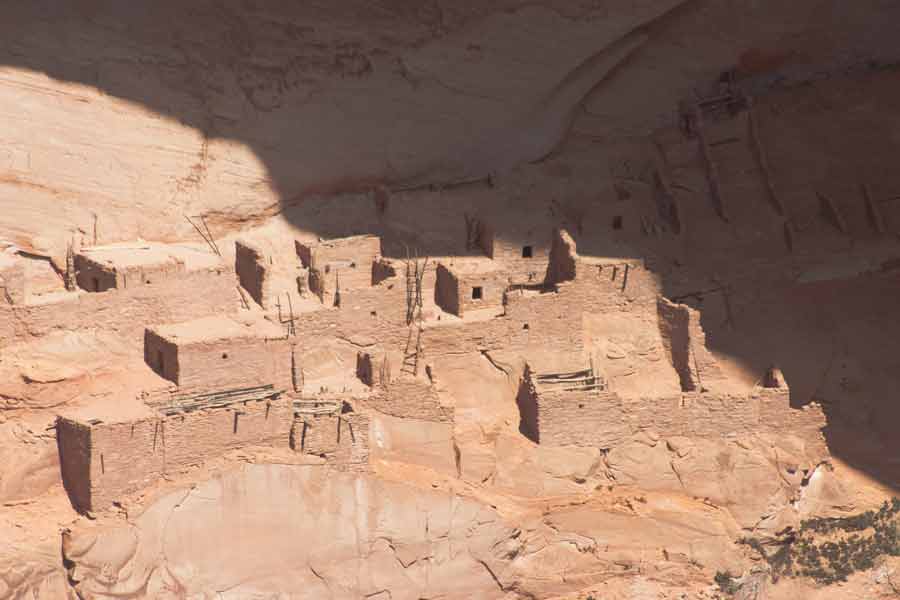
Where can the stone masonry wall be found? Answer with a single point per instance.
(581, 418)
(251, 268)
(189, 296)
(105, 461)
(234, 363)
(161, 355)
(73, 440)
(674, 323)
(493, 286)
(192, 437)
(341, 439)
(93, 275)
(351, 258)
(446, 290)
(603, 420)
(410, 398)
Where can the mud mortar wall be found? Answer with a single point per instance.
(189, 296)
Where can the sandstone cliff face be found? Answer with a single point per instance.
(714, 249)
(140, 115)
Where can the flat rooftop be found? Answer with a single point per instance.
(472, 266)
(208, 329)
(146, 254)
(542, 363)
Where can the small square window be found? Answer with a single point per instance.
(617, 222)
(527, 252)
(476, 292)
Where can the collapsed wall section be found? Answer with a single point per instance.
(338, 265)
(563, 258)
(341, 438)
(410, 398)
(685, 342)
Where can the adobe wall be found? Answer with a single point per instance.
(188, 296)
(101, 462)
(13, 281)
(341, 439)
(410, 398)
(234, 363)
(250, 264)
(446, 290)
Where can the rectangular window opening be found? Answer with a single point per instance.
(527, 251)
(477, 292)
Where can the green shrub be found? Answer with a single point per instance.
(855, 543)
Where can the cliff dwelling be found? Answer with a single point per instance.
(467, 300)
